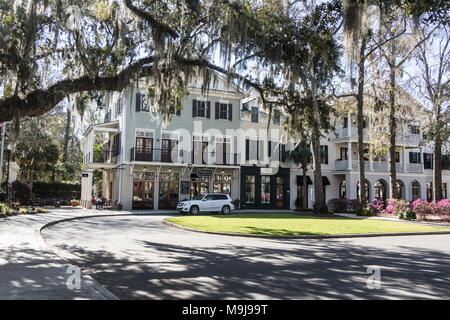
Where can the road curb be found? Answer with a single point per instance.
(267, 236)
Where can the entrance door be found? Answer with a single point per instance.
(301, 200)
(199, 187)
(169, 150)
(144, 149)
(143, 194)
(168, 194)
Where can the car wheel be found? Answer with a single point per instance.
(194, 210)
(226, 210)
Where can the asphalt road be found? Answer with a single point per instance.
(137, 257)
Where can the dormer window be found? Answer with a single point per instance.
(255, 114)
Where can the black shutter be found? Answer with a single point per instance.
(230, 112)
(247, 149)
(269, 148)
(410, 157)
(208, 109)
(194, 108)
(217, 111)
(138, 102)
(326, 154)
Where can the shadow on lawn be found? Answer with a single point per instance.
(221, 268)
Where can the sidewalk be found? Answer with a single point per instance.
(29, 269)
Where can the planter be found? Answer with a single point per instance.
(364, 211)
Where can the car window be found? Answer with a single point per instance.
(220, 197)
(199, 197)
(209, 197)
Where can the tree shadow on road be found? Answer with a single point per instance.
(300, 269)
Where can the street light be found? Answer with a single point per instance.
(8, 150)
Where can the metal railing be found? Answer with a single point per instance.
(186, 157)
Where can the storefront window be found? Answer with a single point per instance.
(280, 188)
(250, 189)
(222, 183)
(265, 189)
(199, 185)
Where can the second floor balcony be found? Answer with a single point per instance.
(184, 157)
(378, 166)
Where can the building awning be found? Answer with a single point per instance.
(325, 180)
(300, 180)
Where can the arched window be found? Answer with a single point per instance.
(429, 186)
(367, 190)
(415, 190)
(342, 190)
(400, 189)
(380, 190)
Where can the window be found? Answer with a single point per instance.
(414, 157)
(250, 189)
(276, 117)
(283, 153)
(415, 130)
(265, 189)
(201, 108)
(224, 111)
(397, 156)
(415, 190)
(142, 103)
(380, 190)
(279, 189)
(344, 153)
(428, 161)
(444, 191)
(222, 183)
(247, 149)
(400, 189)
(324, 154)
(345, 122)
(251, 149)
(255, 114)
(429, 186)
(342, 190)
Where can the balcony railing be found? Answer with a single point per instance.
(108, 156)
(186, 157)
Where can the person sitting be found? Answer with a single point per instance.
(93, 201)
(99, 204)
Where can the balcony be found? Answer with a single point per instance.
(343, 133)
(414, 167)
(185, 157)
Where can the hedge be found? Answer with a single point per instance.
(56, 190)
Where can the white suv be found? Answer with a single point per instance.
(211, 202)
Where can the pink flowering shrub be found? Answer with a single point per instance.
(442, 209)
(397, 207)
(377, 205)
(422, 208)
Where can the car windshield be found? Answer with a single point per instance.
(199, 197)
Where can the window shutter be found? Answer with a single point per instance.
(230, 112)
(194, 108)
(138, 102)
(247, 149)
(217, 111)
(269, 148)
(208, 109)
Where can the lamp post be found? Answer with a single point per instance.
(8, 151)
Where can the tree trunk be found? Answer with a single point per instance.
(360, 104)
(437, 168)
(67, 135)
(305, 186)
(319, 204)
(392, 131)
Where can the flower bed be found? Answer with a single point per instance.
(418, 209)
(14, 209)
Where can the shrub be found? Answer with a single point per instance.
(40, 210)
(410, 215)
(442, 209)
(377, 205)
(421, 208)
(336, 205)
(20, 192)
(57, 190)
(4, 208)
(397, 207)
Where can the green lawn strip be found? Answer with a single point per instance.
(288, 224)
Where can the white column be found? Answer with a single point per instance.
(349, 124)
(349, 156)
(405, 156)
(421, 161)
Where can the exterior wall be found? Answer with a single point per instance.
(121, 174)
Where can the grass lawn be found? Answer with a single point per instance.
(288, 224)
